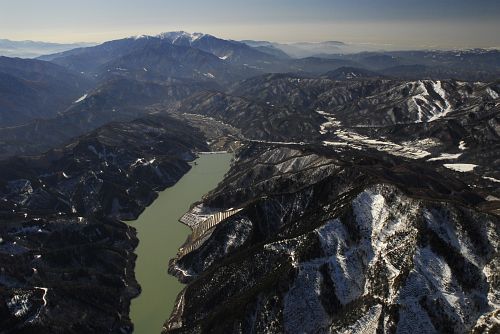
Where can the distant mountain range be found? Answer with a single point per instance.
(32, 49)
(320, 49)
(236, 60)
(45, 87)
(302, 49)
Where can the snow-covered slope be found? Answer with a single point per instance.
(325, 246)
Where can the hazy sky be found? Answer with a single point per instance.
(418, 23)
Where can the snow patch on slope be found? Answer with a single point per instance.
(19, 305)
(357, 141)
(489, 178)
(303, 311)
(462, 146)
(461, 167)
(432, 282)
(428, 108)
(494, 95)
(346, 269)
(445, 105)
(174, 36)
(446, 156)
(81, 98)
(331, 122)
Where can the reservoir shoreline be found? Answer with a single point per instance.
(160, 235)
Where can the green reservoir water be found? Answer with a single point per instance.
(161, 234)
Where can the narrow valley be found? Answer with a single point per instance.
(160, 235)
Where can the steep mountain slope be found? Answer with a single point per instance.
(118, 99)
(334, 240)
(256, 120)
(33, 89)
(67, 260)
(88, 59)
(285, 108)
(369, 102)
(150, 57)
(231, 51)
(392, 227)
(161, 61)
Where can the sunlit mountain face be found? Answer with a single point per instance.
(363, 193)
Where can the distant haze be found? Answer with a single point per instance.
(390, 24)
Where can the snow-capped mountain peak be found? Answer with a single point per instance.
(175, 36)
(141, 37)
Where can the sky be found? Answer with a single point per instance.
(395, 23)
